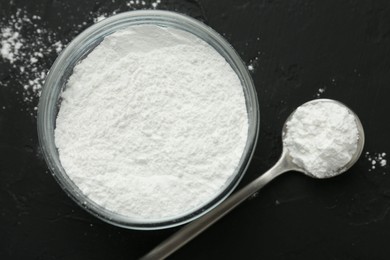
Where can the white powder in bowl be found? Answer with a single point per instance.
(152, 123)
(321, 138)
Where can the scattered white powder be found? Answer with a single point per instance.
(152, 128)
(321, 138)
(376, 160)
(99, 18)
(138, 3)
(253, 63)
(24, 44)
(30, 47)
(10, 44)
(320, 91)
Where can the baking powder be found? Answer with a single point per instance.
(152, 123)
(321, 138)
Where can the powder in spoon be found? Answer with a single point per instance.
(321, 138)
(152, 123)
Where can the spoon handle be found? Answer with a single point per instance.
(191, 230)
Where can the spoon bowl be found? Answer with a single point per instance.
(355, 156)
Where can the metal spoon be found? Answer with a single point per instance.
(284, 164)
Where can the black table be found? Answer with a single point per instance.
(299, 50)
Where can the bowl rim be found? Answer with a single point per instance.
(47, 106)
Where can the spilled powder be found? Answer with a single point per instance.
(24, 44)
(377, 160)
(140, 3)
(253, 63)
(320, 91)
(28, 48)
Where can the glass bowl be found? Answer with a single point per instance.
(78, 49)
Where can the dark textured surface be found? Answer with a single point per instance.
(301, 46)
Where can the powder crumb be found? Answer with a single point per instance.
(99, 18)
(321, 138)
(320, 91)
(253, 63)
(376, 160)
(10, 44)
(383, 162)
(136, 4)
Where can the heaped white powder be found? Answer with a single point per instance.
(153, 123)
(321, 138)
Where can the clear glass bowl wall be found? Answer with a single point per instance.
(78, 49)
